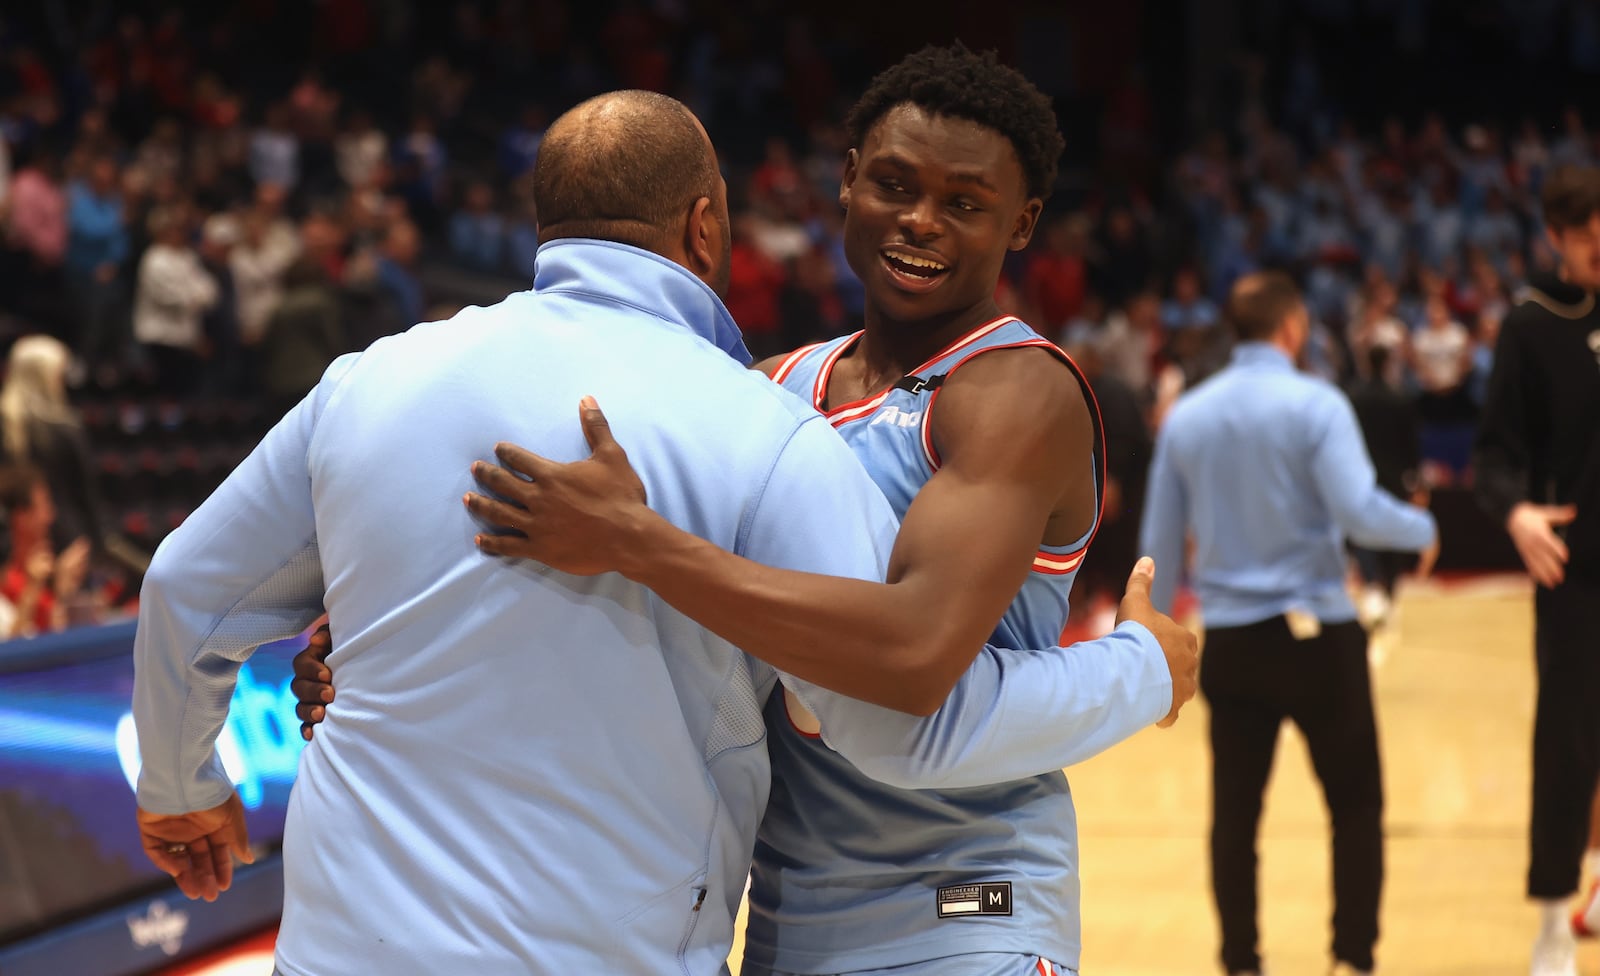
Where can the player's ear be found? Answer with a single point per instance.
(850, 160)
(1027, 221)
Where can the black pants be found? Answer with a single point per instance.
(1566, 734)
(1253, 678)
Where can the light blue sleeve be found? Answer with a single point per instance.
(819, 512)
(1013, 714)
(1343, 473)
(1165, 524)
(241, 571)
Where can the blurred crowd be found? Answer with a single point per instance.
(1412, 244)
(215, 204)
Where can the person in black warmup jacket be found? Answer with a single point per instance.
(1538, 474)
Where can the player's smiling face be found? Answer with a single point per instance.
(932, 205)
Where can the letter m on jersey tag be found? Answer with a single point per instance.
(989, 898)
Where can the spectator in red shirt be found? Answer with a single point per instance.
(1058, 275)
(38, 582)
(754, 284)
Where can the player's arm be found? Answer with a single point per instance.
(1501, 461)
(240, 571)
(1020, 713)
(1015, 436)
(1348, 485)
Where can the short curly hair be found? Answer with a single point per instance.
(955, 82)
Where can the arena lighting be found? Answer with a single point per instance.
(256, 745)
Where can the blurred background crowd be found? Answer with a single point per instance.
(200, 207)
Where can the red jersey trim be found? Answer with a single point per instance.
(787, 366)
(819, 390)
(1056, 564)
(856, 409)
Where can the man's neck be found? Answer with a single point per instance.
(891, 349)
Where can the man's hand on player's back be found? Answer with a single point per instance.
(576, 517)
(1177, 643)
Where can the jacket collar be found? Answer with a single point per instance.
(639, 279)
(1261, 354)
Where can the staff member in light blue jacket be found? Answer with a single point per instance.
(1267, 469)
(529, 772)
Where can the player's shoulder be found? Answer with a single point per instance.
(1035, 367)
(1033, 381)
(767, 367)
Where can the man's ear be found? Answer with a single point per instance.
(850, 160)
(701, 240)
(1027, 222)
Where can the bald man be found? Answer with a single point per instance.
(528, 772)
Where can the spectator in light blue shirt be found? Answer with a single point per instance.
(1266, 469)
(97, 247)
(477, 231)
(397, 276)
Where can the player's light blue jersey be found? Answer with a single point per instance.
(852, 874)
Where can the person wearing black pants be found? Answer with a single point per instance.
(1254, 677)
(1265, 468)
(1566, 734)
(1537, 467)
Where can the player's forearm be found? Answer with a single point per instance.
(1499, 483)
(887, 644)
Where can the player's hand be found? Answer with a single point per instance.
(1177, 643)
(197, 849)
(313, 681)
(40, 564)
(581, 518)
(1532, 529)
(71, 567)
(1427, 559)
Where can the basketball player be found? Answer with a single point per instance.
(1538, 474)
(985, 439)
